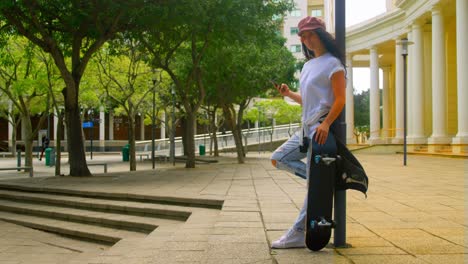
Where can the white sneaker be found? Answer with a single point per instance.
(292, 239)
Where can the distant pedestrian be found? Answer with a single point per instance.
(45, 144)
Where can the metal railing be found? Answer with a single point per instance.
(252, 136)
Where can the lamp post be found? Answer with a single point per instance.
(91, 118)
(260, 116)
(172, 146)
(153, 117)
(48, 117)
(404, 52)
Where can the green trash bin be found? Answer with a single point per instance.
(201, 150)
(126, 153)
(49, 157)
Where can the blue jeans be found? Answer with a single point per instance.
(288, 158)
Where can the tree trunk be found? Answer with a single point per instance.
(213, 136)
(131, 140)
(26, 135)
(185, 135)
(214, 141)
(13, 141)
(76, 152)
(236, 133)
(246, 144)
(229, 113)
(240, 116)
(189, 149)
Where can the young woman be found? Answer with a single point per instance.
(322, 96)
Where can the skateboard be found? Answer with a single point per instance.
(320, 193)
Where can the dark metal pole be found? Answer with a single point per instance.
(92, 135)
(404, 52)
(404, 108)
(92, 132)
(173, 129)
(48, 117)
(153, 117)
(340, 131)
(18, 158)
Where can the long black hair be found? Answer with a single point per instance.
(330, 44)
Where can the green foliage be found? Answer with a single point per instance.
(124, 76)
(361, 109)
(239, 71)
(278, 109)
(23, 77)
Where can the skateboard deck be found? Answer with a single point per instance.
(320, 193)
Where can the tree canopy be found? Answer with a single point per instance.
(188, 40)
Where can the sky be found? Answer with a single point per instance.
(356, 12)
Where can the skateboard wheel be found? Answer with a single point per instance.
(317, 159)
(312, 224)
(325, 223)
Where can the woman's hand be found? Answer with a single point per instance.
(283, 89)
(321, 133)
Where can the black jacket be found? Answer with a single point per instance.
(349, 174)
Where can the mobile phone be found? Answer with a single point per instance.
(274, 83)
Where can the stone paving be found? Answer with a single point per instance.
(413, 214)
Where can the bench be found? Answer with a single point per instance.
(141, 154)
(147, 152)
(4, 154)
(31, 173)
(99, 164)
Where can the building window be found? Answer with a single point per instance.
(316, 13)
(295, 48)
(294, 30)
(295, 13)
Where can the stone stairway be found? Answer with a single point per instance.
(442, 150)
(106, 218)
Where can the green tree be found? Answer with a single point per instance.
(9, 112)
(195, 28)
(23, 81)
(54, 84)
(361, 111)
(281, 111)
(76, 30)
(246, 73)
(124, 75)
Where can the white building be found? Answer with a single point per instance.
(317, 8)
(437, 83)
(437, 70)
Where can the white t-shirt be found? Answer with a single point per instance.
(315, 87)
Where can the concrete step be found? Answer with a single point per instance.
(420, 148)
(112, 220)
(83, 231)
(99, 204)
(168, 200)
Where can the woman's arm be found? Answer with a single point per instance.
(338, 85)
(283, 89)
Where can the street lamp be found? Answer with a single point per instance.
(91, 118)
(260, 110)
(153, 117)
(173, 130)
(404, 52)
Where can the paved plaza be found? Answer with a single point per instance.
(413, 214)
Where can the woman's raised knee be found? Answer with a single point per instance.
(273, 162)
